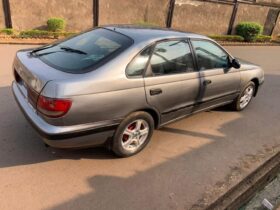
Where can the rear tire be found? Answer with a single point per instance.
(133, 134)
(245, 97)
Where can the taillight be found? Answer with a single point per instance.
(17, 77)
(53, 107)
(32, 96)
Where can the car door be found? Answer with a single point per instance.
(219, 81)
(171, 81)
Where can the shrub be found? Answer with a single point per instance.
(263, 38)
(44, 34)
(61, 34)
(249, 30)
(66, 34)
(56, 24)
(229, 38)
(35, 34)
(7, 31)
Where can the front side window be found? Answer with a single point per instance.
(137, 66)
(209, 55)
(172, 57)
(84, 51)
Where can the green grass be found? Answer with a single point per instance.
(7, 31)
(43, 34)
(263, 38)
(229, 38)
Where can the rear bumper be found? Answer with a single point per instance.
(84, 135)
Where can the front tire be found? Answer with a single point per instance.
(133, 134)
(244, 99)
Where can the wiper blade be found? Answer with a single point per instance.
(46, 53)
(69, 49)
(41, 48)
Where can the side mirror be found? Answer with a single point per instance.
(235, 63)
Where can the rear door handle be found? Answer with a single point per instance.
(155, 91)
(207, 82)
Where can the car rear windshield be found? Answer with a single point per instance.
(84, 52)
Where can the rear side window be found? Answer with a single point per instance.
(85, 51)
(209, 55)
(172, 57)
(137, 66)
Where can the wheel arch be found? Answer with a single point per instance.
(155, 115)
(257, 83)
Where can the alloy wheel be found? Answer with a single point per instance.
(246, 97)
(135, 134)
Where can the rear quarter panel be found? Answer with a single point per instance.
(103, 94)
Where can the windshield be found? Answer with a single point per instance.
(84, 52)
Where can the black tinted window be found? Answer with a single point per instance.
(209, 55)
(86, 50)
(137, 66)
(171, 57)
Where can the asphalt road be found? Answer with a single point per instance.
(194, 158)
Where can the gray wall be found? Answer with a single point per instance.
(276, 30)
(133, 11)
(254, 13)
(190, 15)
(29, 14)
(202, 17)
(2, 17)
(269, 2)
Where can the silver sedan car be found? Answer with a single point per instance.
(114, 85)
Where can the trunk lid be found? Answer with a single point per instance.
(33, 72)
(31, 75)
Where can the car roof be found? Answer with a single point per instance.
(149, 34)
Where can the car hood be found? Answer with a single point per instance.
(247, 64)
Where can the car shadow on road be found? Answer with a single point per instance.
(191, 133)
(20, 144)
(177, 181)
(184, 154)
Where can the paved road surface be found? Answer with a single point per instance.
(196, 157)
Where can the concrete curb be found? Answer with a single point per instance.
(242, 192)
(27, 41)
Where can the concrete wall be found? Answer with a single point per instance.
(255, 13)
(2, 17)
(202, 17)
(133, 11)
(274, 2)
(29, 14)
(189, 15)
(276, 31)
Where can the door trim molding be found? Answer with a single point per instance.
(199, 103)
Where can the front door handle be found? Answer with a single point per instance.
(207, 82)
(155, 91)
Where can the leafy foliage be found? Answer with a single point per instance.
(249, 30)
(263, 38)
(229, 38)
(56, 24)
(7, 31)
(44, 34)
